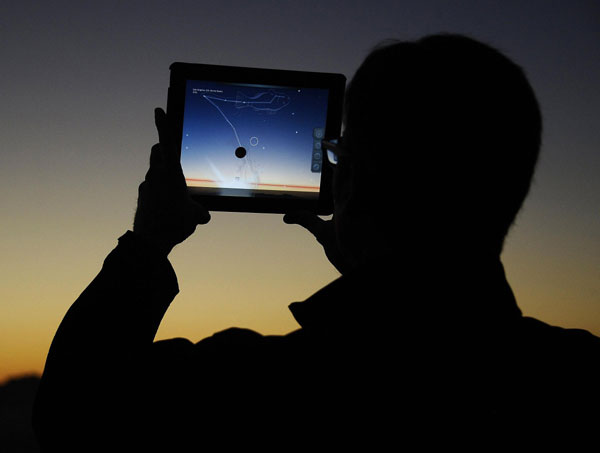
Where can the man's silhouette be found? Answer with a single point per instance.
(421, 330)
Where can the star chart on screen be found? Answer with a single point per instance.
(248, 140)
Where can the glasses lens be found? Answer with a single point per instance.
(332, 157)
(330, 147)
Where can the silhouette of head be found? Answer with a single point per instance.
(443, 135)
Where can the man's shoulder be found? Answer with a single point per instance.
(233, 340)
(565, 359)
(538, 332)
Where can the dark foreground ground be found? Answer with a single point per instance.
(16, 401)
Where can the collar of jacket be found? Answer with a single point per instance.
(427, 295)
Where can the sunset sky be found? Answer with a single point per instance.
(78, 86)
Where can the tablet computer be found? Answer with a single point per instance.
(250, 138)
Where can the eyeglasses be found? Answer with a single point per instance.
(334, 150)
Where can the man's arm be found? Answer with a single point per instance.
(96, 355)
(94, 370)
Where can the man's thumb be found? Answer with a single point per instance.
(308, 220)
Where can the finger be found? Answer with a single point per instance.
(156, 156)
(309, 221)
(166, 136)
(201, 215)
(160, 120)
(142, 190)
(157, 167)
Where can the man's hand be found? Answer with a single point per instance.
(166, 215)
(324, 232)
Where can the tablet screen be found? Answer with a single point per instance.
(248, 140)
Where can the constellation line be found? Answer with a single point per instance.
(226, 119)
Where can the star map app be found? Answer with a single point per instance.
(249, 140)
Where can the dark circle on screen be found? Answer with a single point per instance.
(240, 152)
